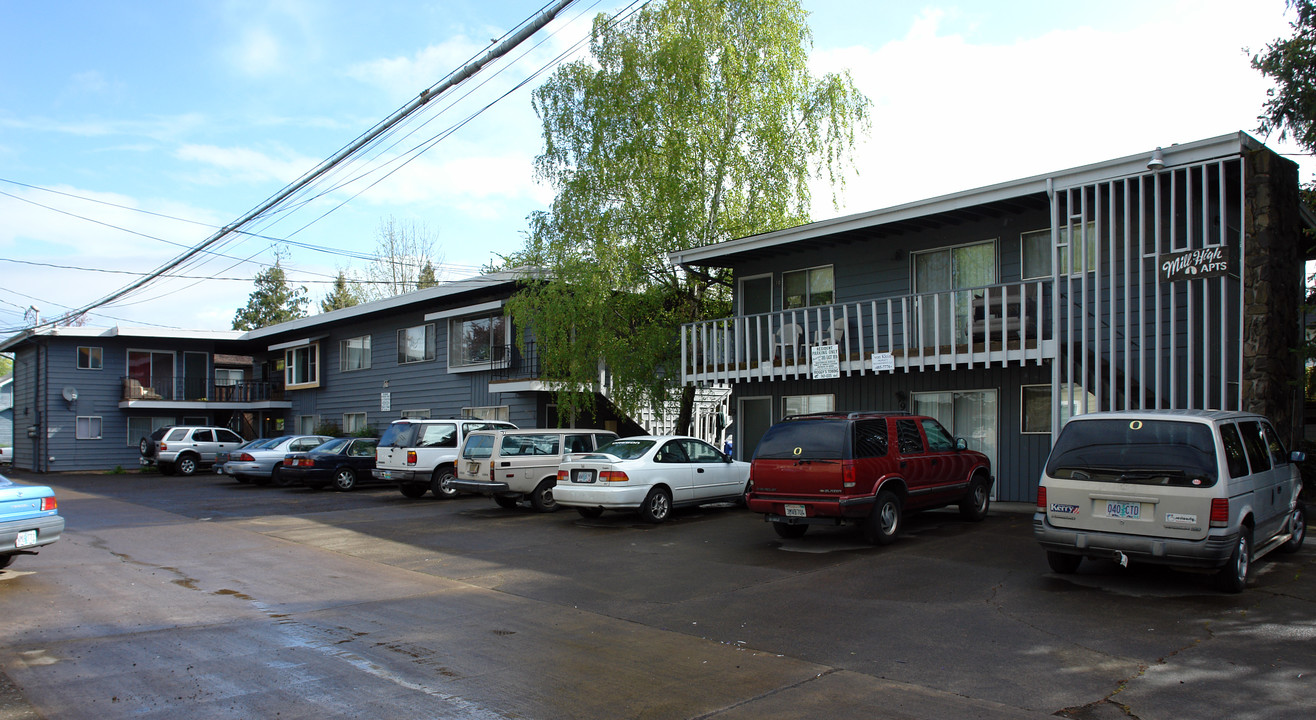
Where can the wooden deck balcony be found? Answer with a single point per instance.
(978, 327)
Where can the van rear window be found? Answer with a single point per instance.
(478, 446)
(804, 439)
(1140, 452)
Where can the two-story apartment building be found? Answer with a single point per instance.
(84, 397)
(1168, 279)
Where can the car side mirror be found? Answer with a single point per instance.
(961, 444)
(1298, 456)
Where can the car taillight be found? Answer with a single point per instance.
(246, 457)
(1219, 512)
(48, 503)
(411, 457)
(562, 475)
(613, 476)
(491, 470)
(847, 473)
(305, 462)
(163, 447)
(1041, 498)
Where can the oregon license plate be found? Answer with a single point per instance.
(472, 467)
(1131, 511)
(583, 476)
(25, 539)
(794, 511)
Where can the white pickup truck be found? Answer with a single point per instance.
(421, 455)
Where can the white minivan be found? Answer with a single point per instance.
(1191, 488)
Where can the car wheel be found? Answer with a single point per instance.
(541, 499)
(412, 490)
(506, 501)
(657, 507)
(186, 465)
(146, 447)
(885, 521)
(439, 484)
(345, 479)
(166, 468)
(1233, 576)
(589, 513)
(6, 561)
(1063, 563)
(1298, 528)
(976, 501)
(788, 531)
(278, 478)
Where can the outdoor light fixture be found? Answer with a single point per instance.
(1157, 161)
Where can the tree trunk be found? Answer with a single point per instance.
(687, 410)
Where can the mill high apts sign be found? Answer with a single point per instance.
(1207, 262)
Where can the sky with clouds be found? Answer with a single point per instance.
(130, 132)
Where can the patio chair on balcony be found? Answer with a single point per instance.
(834, 335)
(789, 336)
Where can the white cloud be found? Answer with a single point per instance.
(951, 115)
(221, 165)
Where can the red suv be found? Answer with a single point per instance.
(863, 467)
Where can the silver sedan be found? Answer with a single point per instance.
(260, 464)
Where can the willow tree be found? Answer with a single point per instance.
(693, 122)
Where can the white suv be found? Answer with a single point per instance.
(185, 448)
(1192, 488)
(421, 455)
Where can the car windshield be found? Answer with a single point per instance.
(626, 449)
(804, 439)
(1134, 451)
(333, 446)
(398, 434)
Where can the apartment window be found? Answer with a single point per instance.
(302, 367)
(803, 404)
(416, 344)
(1036, 249)
(142, 427)
(806, 288)
(354, 354)
(353, 423)
(88, 427)
(1036, 406)
(306, 424)
(493, 412)
(228, 377)
(89, 358)
(478, 340)
(422, 414)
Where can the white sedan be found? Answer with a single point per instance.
(652, 474)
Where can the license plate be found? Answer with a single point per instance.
(794, 511)
(386, 475)
(1131, 511)
(25, 538)
(473, 467)
(583, 476)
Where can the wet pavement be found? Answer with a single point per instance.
(200, 597)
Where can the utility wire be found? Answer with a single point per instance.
(324, 167)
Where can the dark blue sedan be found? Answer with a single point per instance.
(342, 462)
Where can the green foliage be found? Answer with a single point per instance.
(272, 302)
(695, 122)
(427, 278)
(342, 296)
(1291, 63)
(6, 364)
(366, 432)
(328, 427)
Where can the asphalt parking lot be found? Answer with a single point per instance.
(490, 612)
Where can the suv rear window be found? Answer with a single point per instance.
(398, 435)
(810, 439)
(1139, 452)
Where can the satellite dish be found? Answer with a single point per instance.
(70, 393)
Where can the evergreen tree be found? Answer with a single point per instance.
(342, 296)
(427, 277)
(272, 302)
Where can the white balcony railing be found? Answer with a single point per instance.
(977, 327)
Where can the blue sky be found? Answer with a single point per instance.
(129, 131)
